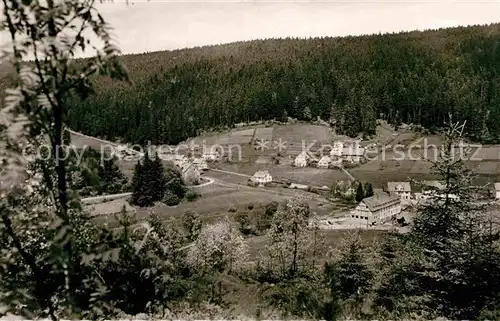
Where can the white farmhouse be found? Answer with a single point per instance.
(261, 177)
(200, 163)
(497, 191)
(211, 155)
(301, 160)
(324, 162)
(353, 153)
(402, 189)
(337, 149)
(190, 174)
(377, 209)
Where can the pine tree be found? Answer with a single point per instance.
(348, 276)
(360, 195)
(159, 180)
(111, 178)
(460, 257)
(368, 189)
(141, 185)
(174, 182)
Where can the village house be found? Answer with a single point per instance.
(261, 177)
(402, 189)
(353, 153)
(497, 191)
(433, 189)
(190, 174)
(200, 163)
(377, 209)
(324, 162)
(337, 149)
(301, 160)
(180, 161)
(211, 155)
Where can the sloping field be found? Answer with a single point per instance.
(230, 138)
(488, 153)
(309, 176)
(297, 133)
(215, 202)
(264, 133)
(82, 141)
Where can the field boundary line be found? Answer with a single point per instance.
(231, 173)
(91, 137)
(89, 200)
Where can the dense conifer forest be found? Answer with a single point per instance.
(415, 77)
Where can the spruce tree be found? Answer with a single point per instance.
(460, 256)
(348, 276)
(368, 189)
(158, 179)
(111, 178)
(360, 195)
(141, 185)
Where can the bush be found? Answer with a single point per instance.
(299, 297)
(192, 223)
(191, 196)
(171, 199)
(243, 220)
(232, 209)
(250, 206)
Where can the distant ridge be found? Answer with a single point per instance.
(417, 77)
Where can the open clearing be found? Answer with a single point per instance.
(216, 199)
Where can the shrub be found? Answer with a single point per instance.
(244, 224)
(250, 206)
(171, 199)
(192, 223)
(232, 209)
(191, 196)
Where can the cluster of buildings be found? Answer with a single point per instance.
(339, 153)
(191, 168)
(385, 205)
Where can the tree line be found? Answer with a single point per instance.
(410, 77)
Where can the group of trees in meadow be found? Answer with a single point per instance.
(152, 182)
(363, 192)
(415, 77)
(93, 174)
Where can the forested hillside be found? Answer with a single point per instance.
(416, 77)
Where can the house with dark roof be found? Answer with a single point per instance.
(403, 189)
(377, 209)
